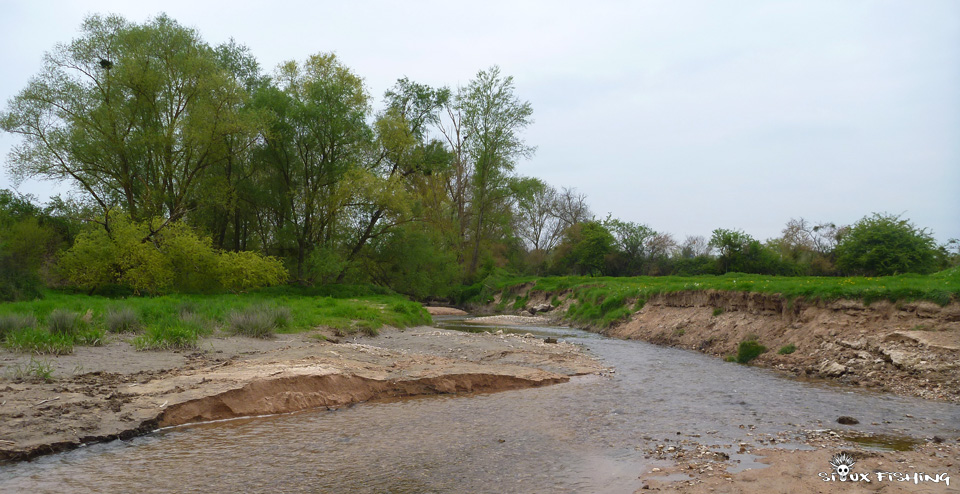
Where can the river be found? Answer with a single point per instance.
(588, 435)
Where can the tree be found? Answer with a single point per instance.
(133, 115)
(585, 248)
(492, 120)
(730, 243)
(885, 244)
(315, 142)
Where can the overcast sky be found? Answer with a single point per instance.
(684, 115)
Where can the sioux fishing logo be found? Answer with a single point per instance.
(842, 465)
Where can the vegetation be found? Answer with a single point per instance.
(195, 171)
(178, 321)
(603, 300)
(787, 349)
(748, 350)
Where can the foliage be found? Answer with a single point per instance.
(15, 322)
(787, 349)
(175, 259)
(122, 320)
(749, 350)
(258, 321)
(63, 322)
(133, 115)
(585, 248)
(884, 244)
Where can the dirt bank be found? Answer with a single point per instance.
(102, 393)
(910, 348)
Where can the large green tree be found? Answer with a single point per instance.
(134, 115)
(493, 118)
(885, 244)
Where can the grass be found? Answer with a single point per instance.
(15, 322)
(787, 349)
(717, 311)
(35, 370)
(601, 301)
(177, 321)
(122, 320)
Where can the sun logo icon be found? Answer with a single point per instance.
(841, 463)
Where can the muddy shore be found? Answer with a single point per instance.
(102, 393)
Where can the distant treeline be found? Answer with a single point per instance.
(194, 170)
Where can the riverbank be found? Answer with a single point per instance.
(907, 348)
(113, 391)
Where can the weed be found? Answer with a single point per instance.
(122, 320)
(787, 349)
(748, 350)
(40, 341)
(63, 322)
(39, 370)
(717, 311)
(919, 327)
(679, 332)
(90, 337)
(170, 337)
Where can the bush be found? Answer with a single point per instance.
(884, 244)
(15, 322)
(787, 349)
(749, 350)
(122, 320)
(256, 322)
(62, 322)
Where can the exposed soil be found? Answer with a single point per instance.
(113, 391)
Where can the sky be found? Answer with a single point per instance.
(684, 115)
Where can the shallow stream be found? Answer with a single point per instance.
(588, 435)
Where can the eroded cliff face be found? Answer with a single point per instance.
(910, 348)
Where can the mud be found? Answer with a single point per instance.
(103, 393)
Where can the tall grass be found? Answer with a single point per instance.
(604, 300)
(176, 321)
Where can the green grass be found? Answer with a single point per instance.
(787, 349)
(177, 321)
(35, 370)
(601, 301)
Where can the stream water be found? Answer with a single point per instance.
(587, 435)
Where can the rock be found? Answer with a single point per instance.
(855, 345)
(845, 420)
(832, 369)
(541, 308)
(550, 340)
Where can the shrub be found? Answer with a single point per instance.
(256, 322)
(15, 322)
(717, 311)
(122, 320)
(749, 350)
(787, 349)
(62, 322)
(884, 244)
